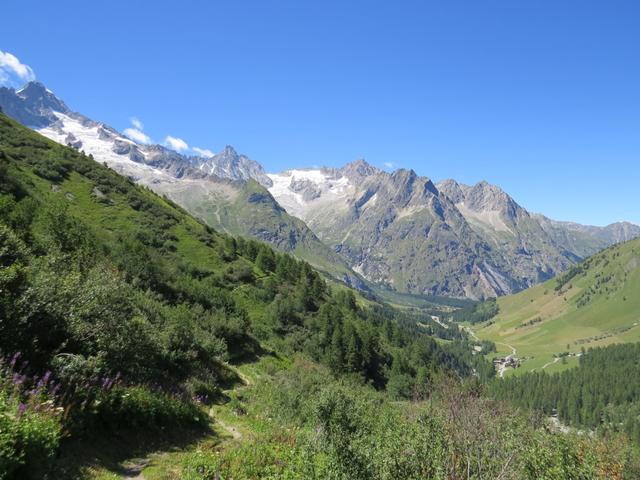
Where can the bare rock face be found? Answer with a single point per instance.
(394, 228)
(306, 188)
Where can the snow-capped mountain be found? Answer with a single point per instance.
(394, 228)
(229, 164)
(225, 190)
(397, 229)
(38, 108)
(446, 239)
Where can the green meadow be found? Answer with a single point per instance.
(595, 304)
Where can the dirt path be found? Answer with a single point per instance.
(513, 349)
(133, 468)
(233, 431)
(555, 360)
(503, 367)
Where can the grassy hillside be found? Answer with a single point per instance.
(248, 209)
(594, 304)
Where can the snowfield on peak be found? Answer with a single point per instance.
(298, 191)
(99, 141)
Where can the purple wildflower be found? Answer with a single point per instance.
(22, 408)
(18, 379)
(14, 359)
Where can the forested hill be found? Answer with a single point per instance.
(109, 292)
(603, 393)
(595, 303)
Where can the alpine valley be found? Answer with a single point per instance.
(366, 227)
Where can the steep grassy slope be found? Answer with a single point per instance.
(227, 197)
(595, 303)
(248, 209)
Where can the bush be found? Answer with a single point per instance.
(277, 457)
(29, 436)
(139, 407)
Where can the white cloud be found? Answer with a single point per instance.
(388, 165)
(136, 122)
(137, 135)
(176, 143)
(14, 73)
(203, 152)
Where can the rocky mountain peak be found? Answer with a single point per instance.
(231, 165)
(33, 105)
(620, 231)
(359, 169)
(452, 189)
(36, 95)
(32, 88)
(484, 196)
(229, 151)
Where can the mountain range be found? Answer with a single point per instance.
(358, 224)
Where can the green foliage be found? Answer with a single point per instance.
(603, 392)
(138, 407)
(478, 313)
(566, 277)
(28, 440)
(30, 426)
(560, 457)
(340, 429)
(363, 438)
(266, 260)
(278, 458)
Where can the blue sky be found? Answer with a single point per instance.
(541, 98)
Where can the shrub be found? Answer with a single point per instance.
(29, 428)
(139, 407)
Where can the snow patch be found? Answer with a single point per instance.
(99, 142)
(331, 188)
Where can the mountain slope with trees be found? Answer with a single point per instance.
(223, 190)
(595, 303)
(602, 393)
